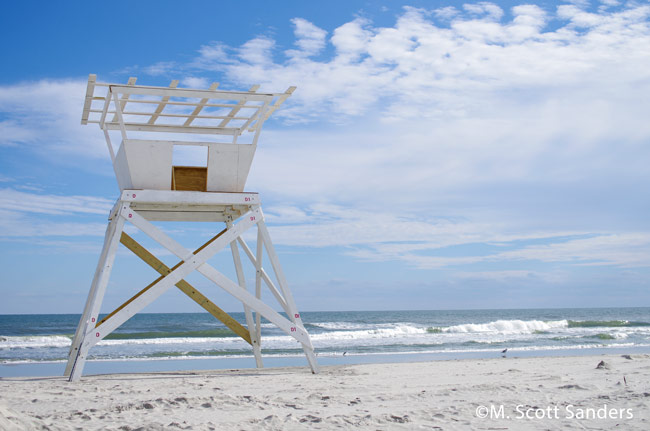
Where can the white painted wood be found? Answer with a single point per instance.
(90, 89)
(255, 341)
(120, 119)
(258, 283)
(191, 262)
(122, 171)
(279, 101)
(165, 128)
(156, 234)
(162, 104)
(188, 116)
(191, 93)
(237, 108)
(228, 166)
(265, 277)
(85, 316)
(78, 352)
(111, 151)
(144, 164)
(184, 198)
(249, 105)
(221, 280)
(200, 106)
(124, 99)
(282, 281)
(198, 216)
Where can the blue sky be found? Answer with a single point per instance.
(436, 155)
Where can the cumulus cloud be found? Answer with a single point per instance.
(310, 39)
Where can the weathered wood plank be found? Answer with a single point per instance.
(189, 178)
(162, 104)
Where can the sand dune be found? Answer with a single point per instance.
(536, 393)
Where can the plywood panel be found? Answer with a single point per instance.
(189, 178)
(149, 163)
(228, 166)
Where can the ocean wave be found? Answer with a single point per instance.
(393, 331)
(608, 336)
(333, 326)
(503, 327)
(604, 323)
(206, 333)
(34, 341)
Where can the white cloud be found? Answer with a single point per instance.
(194, 82)
(160, 68)
(351, 40)
(309, 38)
(13, 200)
(446, 13)
(45, 117)
(257, 52)
(625, 250)
(16, 225)
(388, 237)
(489, 10)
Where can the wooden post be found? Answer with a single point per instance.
(256, 342)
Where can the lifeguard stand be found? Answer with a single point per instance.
(152, 121)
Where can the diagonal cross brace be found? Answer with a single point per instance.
(185, 287)
(191, 262)
(253, 217)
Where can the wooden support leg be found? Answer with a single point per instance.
(274, 290)
(191, 261)
(294, 315)
(255, 342)
(76, 359)
(258, 288)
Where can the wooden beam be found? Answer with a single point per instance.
(273, 107)
(192, 93)
(162, 104)
(184, 286)
(144, 127)
(200, 106)
(236, 109)
(90, 89)
(131, 83)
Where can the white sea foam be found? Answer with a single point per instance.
(36, 341)
(508, 327)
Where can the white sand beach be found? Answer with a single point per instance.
(536, 393)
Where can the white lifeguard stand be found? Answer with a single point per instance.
(152, 189)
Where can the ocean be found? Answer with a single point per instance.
(39, 344)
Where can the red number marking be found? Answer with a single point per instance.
(130, 215)
(297, 316)
(247, 199)
(97, 334)
(293, 329)
(93, 319)
(252, 218)
(133, 194)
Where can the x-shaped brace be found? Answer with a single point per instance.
(191, 263)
